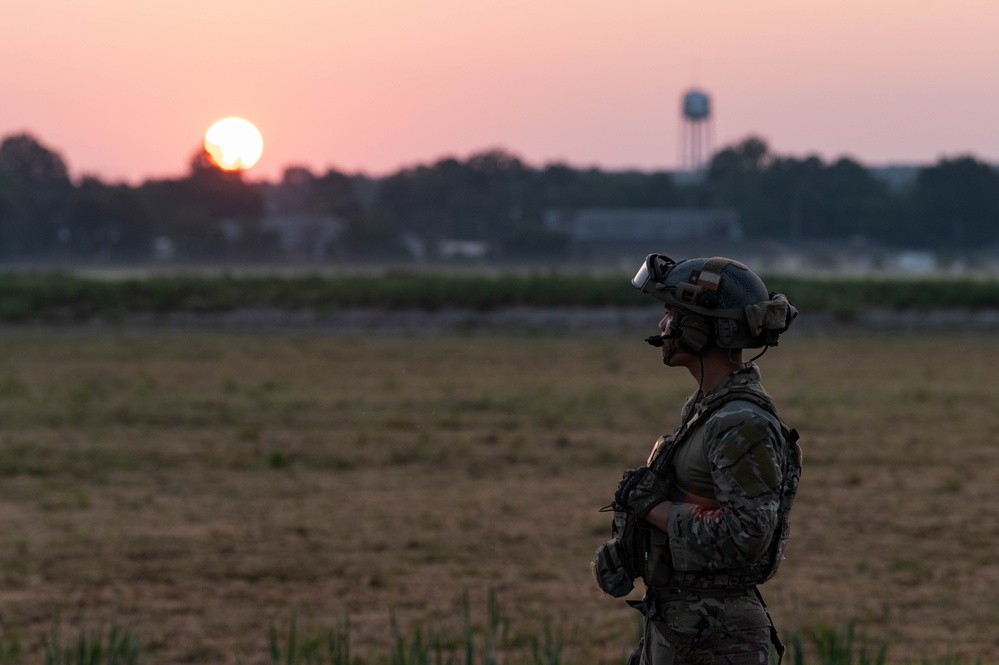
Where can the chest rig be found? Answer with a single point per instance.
(656, 567)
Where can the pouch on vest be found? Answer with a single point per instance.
(610, 571)
(788, 490)
(620, 561)
(659, 562)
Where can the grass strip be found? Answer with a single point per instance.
(60, 297)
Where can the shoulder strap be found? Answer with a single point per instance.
(757, 397)
(661, 459)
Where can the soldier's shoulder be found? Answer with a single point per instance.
(745, 420)
(739, 409)
(738, 428)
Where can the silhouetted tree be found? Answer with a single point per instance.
(798, 199)
(196, 236)
(198, 211)
(495, 197)
(492, 196)
(37, 177)
(25, 159)
(17, 223)
(751, 156)
(334, 194)
(734, 180)
(858, 203)
(107, 222)
(221, 194)
(956, 205)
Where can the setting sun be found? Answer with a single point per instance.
(234, 144)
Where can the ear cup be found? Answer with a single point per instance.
(697, 334)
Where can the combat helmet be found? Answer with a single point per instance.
(721, 302)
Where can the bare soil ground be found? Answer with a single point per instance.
(199, 488)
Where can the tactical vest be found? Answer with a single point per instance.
(657, 569)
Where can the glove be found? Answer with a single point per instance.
(639, 490)
(629, 481)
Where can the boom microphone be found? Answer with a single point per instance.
(660, 340)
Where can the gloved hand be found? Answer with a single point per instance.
(629, 481)
(639, 490)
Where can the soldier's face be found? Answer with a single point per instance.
(669, 350)
(667, 320)
(673, 355)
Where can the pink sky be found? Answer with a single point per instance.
(124, 89)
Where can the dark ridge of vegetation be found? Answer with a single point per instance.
(66, 298)
(491, 197)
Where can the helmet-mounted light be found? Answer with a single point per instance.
(653, 271)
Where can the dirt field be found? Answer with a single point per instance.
(200, 488)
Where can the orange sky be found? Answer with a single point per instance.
(124, 89)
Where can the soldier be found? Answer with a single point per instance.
(706, 520)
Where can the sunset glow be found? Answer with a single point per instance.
(583, 82)
(234, 144)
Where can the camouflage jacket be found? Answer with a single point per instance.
(726, 477)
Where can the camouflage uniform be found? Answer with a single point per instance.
(726, 473)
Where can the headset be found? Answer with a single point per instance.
(696, 332)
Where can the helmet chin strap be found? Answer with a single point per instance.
(670, 346)
(669, 350)
(700, 381)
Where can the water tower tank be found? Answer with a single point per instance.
(695, 131)
(696, 105)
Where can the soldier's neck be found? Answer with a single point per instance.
(718, 364)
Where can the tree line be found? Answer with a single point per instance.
(492, 196)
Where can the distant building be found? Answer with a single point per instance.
(448, 249)
(627, 230)
(914, 261)
(897, 177)
(462, 249)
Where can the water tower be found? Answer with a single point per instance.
(695, 130)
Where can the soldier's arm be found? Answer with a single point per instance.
(735, 529)
(658, 516)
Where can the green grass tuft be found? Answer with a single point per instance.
(116, 647)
